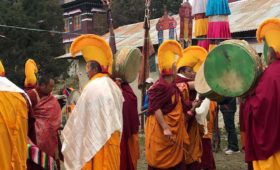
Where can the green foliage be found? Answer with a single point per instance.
(127, 11)
(132, 11)
(158, 6)
(19, 45)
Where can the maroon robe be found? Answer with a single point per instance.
(130, 125)
(47, 114)
(160, 97)
(261, 116)
(207, 159)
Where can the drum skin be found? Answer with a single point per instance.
(202, 87)
(232, 68)
(126, 64)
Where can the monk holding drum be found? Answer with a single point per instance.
(261, 114)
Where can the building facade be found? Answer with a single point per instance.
(82, 17)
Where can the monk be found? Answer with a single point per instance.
(130, 152)
(13, 126)
(47, 114)
(187, 66)
(92, 134)
(165, 127)
(261, 110)
(205, 116)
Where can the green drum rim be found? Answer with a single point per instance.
(230, 69)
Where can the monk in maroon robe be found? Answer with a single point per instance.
(261, 116)
(130, 141)
(47, 114)
(166, 97)
(194, 154)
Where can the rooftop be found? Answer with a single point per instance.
(246, 16)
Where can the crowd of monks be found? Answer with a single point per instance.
(102, 130)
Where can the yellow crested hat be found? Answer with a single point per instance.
(2, 70)
(30, 74)
(93, 48)
(167, 56)
(193, 57)
(269, 31)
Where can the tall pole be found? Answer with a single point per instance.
(145, 68)
(112, 40)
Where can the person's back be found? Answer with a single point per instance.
(13, 127)
(130, 152)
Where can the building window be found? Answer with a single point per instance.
(66, 24)
(77, 22)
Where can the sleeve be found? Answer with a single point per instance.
(204, 108)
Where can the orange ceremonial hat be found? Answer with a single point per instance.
(193, 56)
(94, 48)
(2, 70)
(269, 31)
(30, 73)
(167, 53)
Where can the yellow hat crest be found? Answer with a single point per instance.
(93, 48)
(270, 31)
(193, 57)
(2, 70)
(167, 56)
(30, 74)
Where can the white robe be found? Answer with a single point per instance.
(97, 115)
(7, 86)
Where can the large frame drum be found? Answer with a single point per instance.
(232, 68)
(202, 87)
(126, 64)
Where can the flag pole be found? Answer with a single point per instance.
(145, 68)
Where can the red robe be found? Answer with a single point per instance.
(130, 126)
(47, 114)
(261, 116)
